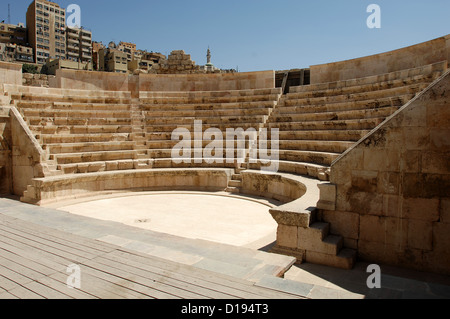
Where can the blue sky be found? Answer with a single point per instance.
(258, 35)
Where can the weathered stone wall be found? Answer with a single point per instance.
(5, 152)
(85, 80)
(393, 187)
(27, 155)
(10, 73)
(207, 82)
(38, 80)
(88, 80)
(411, 57)
(178, 62)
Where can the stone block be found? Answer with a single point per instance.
(345, 224)
(436, 162)
(415, 116)
(372, 229)
(381, 160)
(441, 238)
(392, 206)
(445, 211)
(416, 138)
(411, 161)
(371, 251)
(420, 234)
(439, 139)
(438, 115)
(366, 203)
(327, 196)
(364, 181)
(287, 236)
(421, 209)
(388, 183)
(316, 238)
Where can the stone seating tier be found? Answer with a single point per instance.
(434, 70)
(339, 113)
(291, 100)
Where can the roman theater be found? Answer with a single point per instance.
(362, 158)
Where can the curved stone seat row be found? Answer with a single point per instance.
(343, 112)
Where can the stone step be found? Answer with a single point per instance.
(321, 158)
(335, 116)
(68, 98)
(91, 106)
(206, 113)
(356, 124)
(207, 106)
(191, 163)
(319, 146)
(101, 166)
(432, 69)
(407, 89)
(167, 153)
(89, 147)
(34, 121)
(345, 106)
(330, 245)
(235, 183)
(223, 93)
(342, 90)
(84, 157)
(233, 190)
(52, 113)
(345, 259)
(205, 120)
(82, 138)
(206, 99)
(237, 177)
(331, 135)
(165, 144)
(298, 168)
(81, 129)
(190, 127)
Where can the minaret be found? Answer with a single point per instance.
(208, 57)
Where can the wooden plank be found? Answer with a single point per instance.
(61, 286)
(45, 291)
(97, 287)
(58, 250)
(132, 268)
(123, 286)
(39, 261)
(7, 295)
(47, 267)
(55, 234)
(45, 243)
(133, 282)
(7, 284)
(205, 275)
(20, 269)
(14, 276)
(200, 286)
(24, 293)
